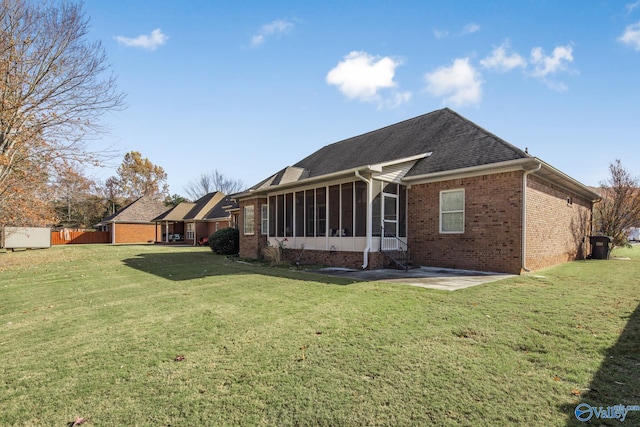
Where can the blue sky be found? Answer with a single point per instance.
(249, 87)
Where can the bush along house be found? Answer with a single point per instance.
(436, 190)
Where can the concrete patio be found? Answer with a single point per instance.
(445, 279)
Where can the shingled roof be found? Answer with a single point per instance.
(452, 142)
(142, 210)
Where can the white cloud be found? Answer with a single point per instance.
(440, 34)
(362, 76)
(470, 28)
(631, 36)
(149, 42)
(631, 7)
(276, 27)
(501, 61)
(545, 65)
(460, 83)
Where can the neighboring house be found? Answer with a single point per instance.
(437, 189)
(133, 223)
(191, 222)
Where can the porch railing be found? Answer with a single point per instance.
(394, 248)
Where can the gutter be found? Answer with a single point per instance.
(524, 215)
(365, 253)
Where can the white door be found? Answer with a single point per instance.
(389, 222)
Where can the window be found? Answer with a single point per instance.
(264, 219)
(452, 211)
(190, 231)
(248, 220)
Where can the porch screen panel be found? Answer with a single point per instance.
(361, 209)
(288, 214)
(321, 211)
(299, 214)
(347, 209)
(376, 221)
(334, 210)
(310, 212)
(280, 215)
(272, 216)
(402, 211)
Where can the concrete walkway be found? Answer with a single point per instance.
(426, 277)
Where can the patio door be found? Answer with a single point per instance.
(389, 222)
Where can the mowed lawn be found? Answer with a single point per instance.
(161, 336)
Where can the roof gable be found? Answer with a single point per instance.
(204, 205)
(144, 209)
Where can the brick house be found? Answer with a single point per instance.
(133, 223)
(437, 190)
(189, 223)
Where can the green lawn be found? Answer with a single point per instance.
(94, 332)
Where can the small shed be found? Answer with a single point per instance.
(26, 237)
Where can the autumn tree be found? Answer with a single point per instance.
(619, 208)
(138, 176)
(54, 88)
(76, 198)
(214, 181)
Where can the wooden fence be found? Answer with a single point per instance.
(67, 237)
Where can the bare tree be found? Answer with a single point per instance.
(619, 208)
(214, 181)
(54, 88)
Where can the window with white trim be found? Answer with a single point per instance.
(191, 230)
(452, 211)
(264, 219)
(248, 220)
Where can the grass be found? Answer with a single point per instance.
(94, 331)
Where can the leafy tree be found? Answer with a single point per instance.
(619, 208)
(174, 200)
(54, 87)
(137, 177)
(214, 181)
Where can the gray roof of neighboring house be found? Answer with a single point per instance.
(144, 209)
(203, 205)
(210, 206)
(453, 141)
(220, 209)
(176, 213)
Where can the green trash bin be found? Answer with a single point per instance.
(600, 247)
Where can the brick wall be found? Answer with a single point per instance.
(557, 228)
(342, 259)
(493, 226)
(135, 233)
(251, 244)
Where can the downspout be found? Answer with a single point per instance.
(524, 215)
(365, 253)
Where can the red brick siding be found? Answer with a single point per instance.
(336, 258)
(251, 244)
(557, 231)
(135, 233)
(492, 234)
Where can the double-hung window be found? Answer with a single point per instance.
(452, 211)
(248, 220)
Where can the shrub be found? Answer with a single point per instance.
(225, 241)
